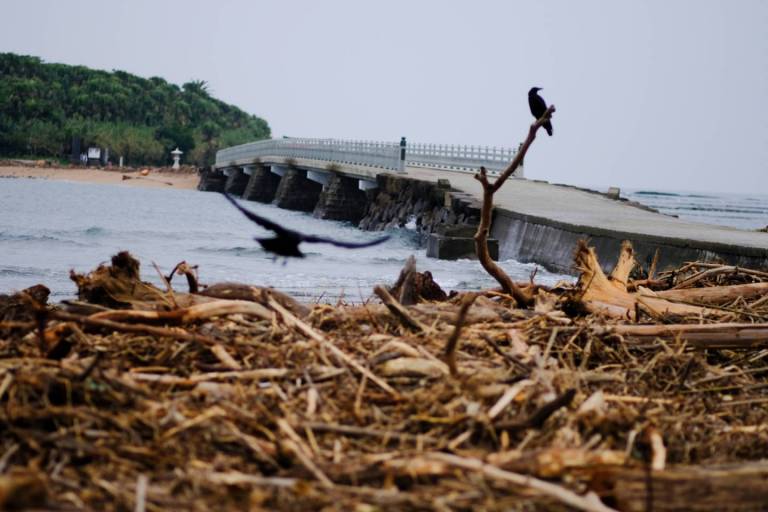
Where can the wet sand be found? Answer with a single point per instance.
(155, 178)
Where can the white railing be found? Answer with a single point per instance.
(460, 158)
(384, 155)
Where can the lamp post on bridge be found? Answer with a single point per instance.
(402, 153)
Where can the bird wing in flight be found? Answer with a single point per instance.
(347, 245)
(261, 221)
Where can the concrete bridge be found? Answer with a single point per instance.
(384, 184)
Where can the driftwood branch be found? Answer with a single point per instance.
(189, 272)
(540, 415)
(399, 311)
(521, 295)
(453, 341)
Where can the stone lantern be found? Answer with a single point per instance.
(176, 153)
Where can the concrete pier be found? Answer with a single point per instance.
(262, 185)
(297, 192)
(236, 181)
(211, 180)
(341, 199)
(541, 223)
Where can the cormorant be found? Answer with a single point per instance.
(538, 107)
(286, 242)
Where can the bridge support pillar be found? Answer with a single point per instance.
(341, 199)
(236, 181)
(296, 192)
(262, 184)
(211, 180)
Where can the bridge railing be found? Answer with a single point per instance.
(460, 158)
(384, 155)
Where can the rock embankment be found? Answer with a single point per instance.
(401, 201)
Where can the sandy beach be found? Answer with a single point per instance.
(126, 178)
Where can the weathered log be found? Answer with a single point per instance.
(238, 291)
(700, 489)
(187, 315)
(715, 294)
(730, 335)
(598, 293)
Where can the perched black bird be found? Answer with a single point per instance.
(538, 107)
(286, 242)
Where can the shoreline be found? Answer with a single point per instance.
(157, 178)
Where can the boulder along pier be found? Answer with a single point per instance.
(379, 185)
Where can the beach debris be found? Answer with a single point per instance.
(286, 241)
(609, 295)
(143, 175)
(118, 285)
(412, 287)
(15, 311)
(399, 311)
(240, 397)
(22, 489)
(726, 486)
(189, 271)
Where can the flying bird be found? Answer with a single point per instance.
(538, 107)
(286, 241)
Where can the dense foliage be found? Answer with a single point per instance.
(43, 106)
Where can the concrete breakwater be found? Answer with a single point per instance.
(533, 221)
(551, 243)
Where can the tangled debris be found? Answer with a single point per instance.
(611, 394)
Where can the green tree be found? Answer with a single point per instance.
(42, 106)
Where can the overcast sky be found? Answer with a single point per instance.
(652, 94)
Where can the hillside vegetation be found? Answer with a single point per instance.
(43, 106)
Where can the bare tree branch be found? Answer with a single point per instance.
(522, 295)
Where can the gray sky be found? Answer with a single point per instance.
(653, 94)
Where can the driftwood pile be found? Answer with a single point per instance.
(612, 393)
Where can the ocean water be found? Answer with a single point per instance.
(744, 211)
(48, 228)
